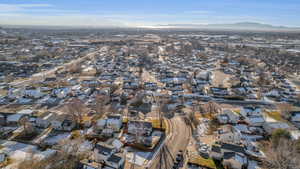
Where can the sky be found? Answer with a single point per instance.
(148, 12)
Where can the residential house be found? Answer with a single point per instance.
(232, 155)
(107, 132)
(228, 134)
(219, 91)
(100, 125)
(33, 93)
(228, 116)
(270, 127)
(61, 92)
(63, 122)
(90, 164)
(102, 152)
(114, 122)
(253, 116)
(117, 144)
(44, 120)
(150, 86)
(115, 161)
(249, 132)
(3, 159)
(139, 128)
(234, 160)
(104, 157)
(295, 118)
(14, 93)
(14, 119)
(130, 84)
(216, 152)
(2, 120)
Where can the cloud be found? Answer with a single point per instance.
(199, 12)
(21, 7)
(34, 5)
(63, 20)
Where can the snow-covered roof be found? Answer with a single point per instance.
(26, 111)
(256, 119)
(14, 117)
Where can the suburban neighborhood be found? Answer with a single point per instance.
(149, 99)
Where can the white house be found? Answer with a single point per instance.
(228, 117)
(114, 122)
(61, 92)
(15, 92)
(100, 125)
(117, 144)
(33, 93)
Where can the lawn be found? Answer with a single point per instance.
(275, 115)
(198, 160)
(156, 123)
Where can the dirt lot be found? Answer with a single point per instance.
(221, 79)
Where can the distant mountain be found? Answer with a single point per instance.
(234, 26)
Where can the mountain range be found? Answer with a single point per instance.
(233, 26)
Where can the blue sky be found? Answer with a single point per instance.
(148, 12)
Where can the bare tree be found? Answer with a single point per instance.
(27, 126)
(285, 110)
(76, 108)
(193, 118)
(284, 156)
(74, 68)
(298, 99)
(113, 88)
(210, 108)
(68, 156)
(100, 104)
(263, 80)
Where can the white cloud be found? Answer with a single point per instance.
(199, 12)
(34, 5)
(21, 7)
(63, 20)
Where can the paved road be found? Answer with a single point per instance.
(178, 139)
(47, 73)
(243, 102)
